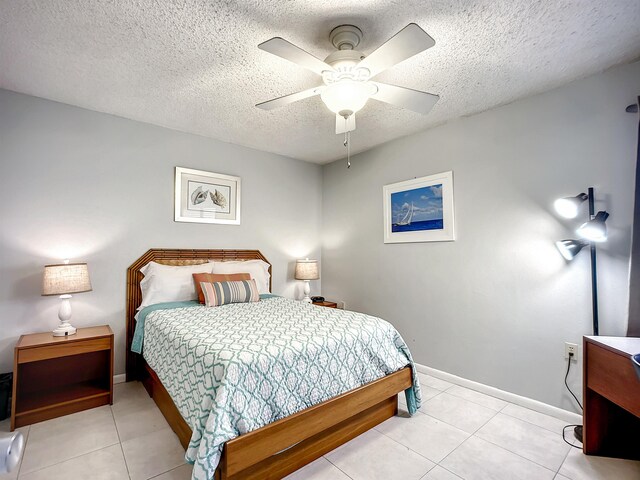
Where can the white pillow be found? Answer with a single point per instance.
(258, 270)
(168, 283)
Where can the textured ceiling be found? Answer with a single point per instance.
(195, 66)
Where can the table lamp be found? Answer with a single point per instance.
(65, 279)
(307, 270)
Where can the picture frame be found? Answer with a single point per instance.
(419, 210)
(206, 197)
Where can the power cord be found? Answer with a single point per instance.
(564, 430)
(567, 385)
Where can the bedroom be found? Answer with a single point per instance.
(99, 103)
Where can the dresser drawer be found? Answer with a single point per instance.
(611, 375)
(63, 349)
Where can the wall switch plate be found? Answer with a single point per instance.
(571, 348)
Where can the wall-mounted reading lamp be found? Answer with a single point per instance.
(594, 230)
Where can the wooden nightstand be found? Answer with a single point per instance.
(326, 304)
(55, 376)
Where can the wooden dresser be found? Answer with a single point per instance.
(611, 397)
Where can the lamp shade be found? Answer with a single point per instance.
(570, 248)
(595, 230)
(567, 207)
(307, 270)
(65, 278)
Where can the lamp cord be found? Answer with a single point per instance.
(567, 385)
(564, 430)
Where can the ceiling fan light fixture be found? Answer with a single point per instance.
(346, 97)
(346, 73)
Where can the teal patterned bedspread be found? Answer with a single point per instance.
(236, 368)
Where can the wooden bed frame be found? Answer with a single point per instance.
(280, 448)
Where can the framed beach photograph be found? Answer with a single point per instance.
(206, 197)
(419, 210)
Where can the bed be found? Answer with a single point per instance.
(278, 448)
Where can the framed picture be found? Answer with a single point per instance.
(419, 210)
(205, 197)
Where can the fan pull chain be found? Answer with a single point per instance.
(347, 144)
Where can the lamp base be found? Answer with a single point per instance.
(577, 432)
(307, 291)
(64, 330)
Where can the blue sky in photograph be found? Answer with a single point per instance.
(427, 203)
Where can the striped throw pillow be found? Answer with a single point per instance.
(222, 293)
(216, 277)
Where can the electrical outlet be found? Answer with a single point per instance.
(342, 305)
(571, 348)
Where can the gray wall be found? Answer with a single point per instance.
(97, 188)
(496, 305)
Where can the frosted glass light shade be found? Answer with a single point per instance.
(66, 278)
(346, 96)
(307, 270)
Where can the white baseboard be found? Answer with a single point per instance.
(526, 402)
(119, 378)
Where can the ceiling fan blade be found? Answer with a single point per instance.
(408, 42)
(343, 126)
(415, 100)
(283, 49)
(287, 99)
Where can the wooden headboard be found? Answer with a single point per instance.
(169, 257)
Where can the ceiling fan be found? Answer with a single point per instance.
(347, 73)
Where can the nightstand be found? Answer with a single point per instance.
(55, 376)
(326, 304)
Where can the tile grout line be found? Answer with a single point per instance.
(66, 460)
(506, 449)
(563, 460)
(470, 433)
(62, 461)
(448, 454)
(438, 465)
(517, 454)
(408, 448)
(126, 465)
(488, 441)
(156, 476)
(503, 407)
(524, 421)
(23, 452)
(531, 423)
(480, 393)
(325, 457)
(476, 431)
(427, 472)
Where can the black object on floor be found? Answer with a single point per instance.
(577, 432)
(6, 385)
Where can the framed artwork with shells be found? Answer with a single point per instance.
(206, 197)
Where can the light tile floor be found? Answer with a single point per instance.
(458, 434)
